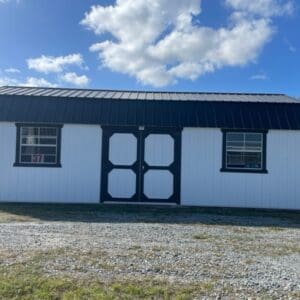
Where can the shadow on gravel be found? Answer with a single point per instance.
(149, 214)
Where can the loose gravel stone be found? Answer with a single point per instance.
(249, 259)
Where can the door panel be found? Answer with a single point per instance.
(121, 183)
(158, 184)
(128, 143)
(159, 150)
(141, 165)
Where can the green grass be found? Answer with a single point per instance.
(31, 287)
(27, 282)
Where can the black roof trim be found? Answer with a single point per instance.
(126, 112)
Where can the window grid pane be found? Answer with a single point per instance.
(244, 150)
(38, 145)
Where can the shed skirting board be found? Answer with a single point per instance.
(77, 181)
(202, 183)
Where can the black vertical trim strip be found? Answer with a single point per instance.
(104, 172)
(178, 153)
(58, 147)
(142, 164)
(18, 126)
(265, 151)
(223, 149)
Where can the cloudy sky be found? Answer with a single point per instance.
(195, 45)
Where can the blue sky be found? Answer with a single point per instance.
(191, 45)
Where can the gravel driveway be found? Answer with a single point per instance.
(239, 256)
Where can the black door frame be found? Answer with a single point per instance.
(140, 167)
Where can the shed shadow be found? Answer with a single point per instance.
(14, 212)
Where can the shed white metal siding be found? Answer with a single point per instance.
(78, 181)
(203, 184)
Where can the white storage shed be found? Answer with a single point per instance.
(201, 149)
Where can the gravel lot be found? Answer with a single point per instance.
(237, 256)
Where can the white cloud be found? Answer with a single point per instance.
(29, 81)
(75, 79)
(12, 70)
(7, 81)
(51, 64)
(259, 77)
(290, 46)
(157, 42)
(6, 1)
(264, 8)
(36, 82)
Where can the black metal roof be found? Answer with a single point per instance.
(144, 95)
(167, 109)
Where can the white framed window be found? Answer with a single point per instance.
(38, 145)
(244, 151)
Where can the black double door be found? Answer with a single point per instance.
(141, 164)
